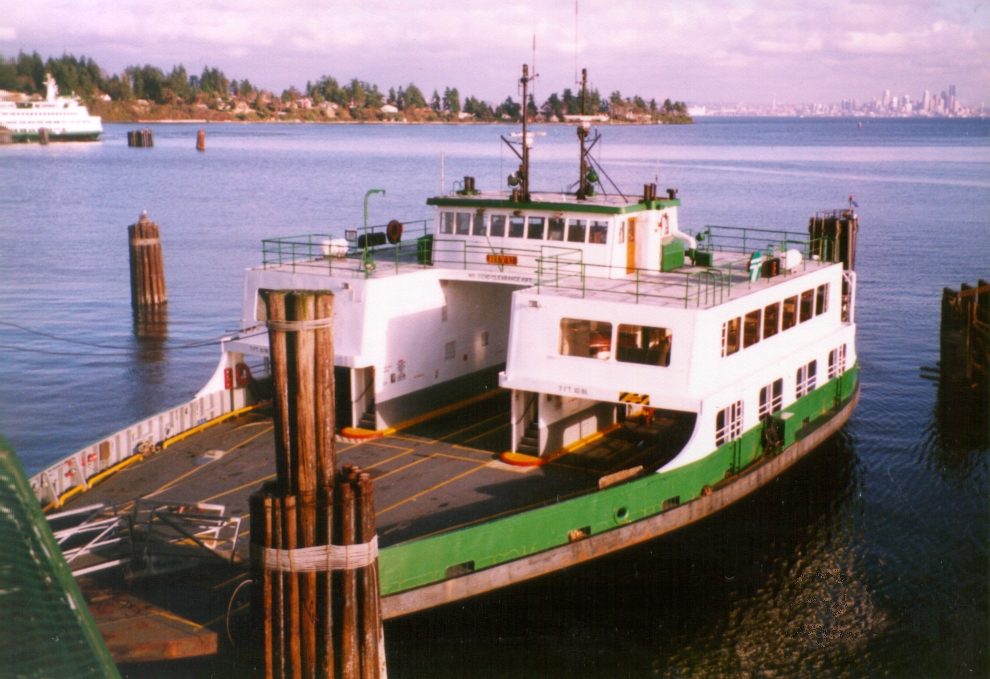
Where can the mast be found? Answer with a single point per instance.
(524, 188)
(582, 133)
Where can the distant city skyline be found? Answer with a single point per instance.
(719, 51)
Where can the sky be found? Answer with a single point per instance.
(697, 51)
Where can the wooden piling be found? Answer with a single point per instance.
(140, 139)
(201, 141)
(370, 593)
(147, 266)
(348, 645)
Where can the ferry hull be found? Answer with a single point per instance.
(23, 137)
(581, 549)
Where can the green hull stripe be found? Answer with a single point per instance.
(424, 561)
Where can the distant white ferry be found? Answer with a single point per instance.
(64, 118)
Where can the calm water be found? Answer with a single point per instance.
(869, 559)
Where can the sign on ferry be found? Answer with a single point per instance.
(503, 259)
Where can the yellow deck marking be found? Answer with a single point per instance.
(206, 425)
(234, 490)
(466, 459)
(394, 457)
(441, 411)
(174, 481)
(411, 464)
(490, 431)
(429, 490)
(471, 427)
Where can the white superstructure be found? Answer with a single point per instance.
(64, 118)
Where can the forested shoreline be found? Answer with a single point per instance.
(148, 93)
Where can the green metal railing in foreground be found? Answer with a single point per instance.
(45, 617)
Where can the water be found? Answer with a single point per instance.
(869, 559)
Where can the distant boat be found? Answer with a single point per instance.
(64, 118)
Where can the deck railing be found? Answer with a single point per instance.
(551, 266)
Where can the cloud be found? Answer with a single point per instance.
(703, 49)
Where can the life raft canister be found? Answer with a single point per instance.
(243, 374)
(394, 231)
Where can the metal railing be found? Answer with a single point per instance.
(749, 240)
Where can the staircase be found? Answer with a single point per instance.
(530, 442)
(368, 420)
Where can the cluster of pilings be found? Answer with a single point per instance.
(316, 610)
(147, 266)
(140, 139)
(964, 344)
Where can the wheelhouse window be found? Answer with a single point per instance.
(498, 226)
(576, 230)
(556, 228)
(751, 328)
(517, 227)
(790, 313)
(447, 222)
(643, 344)
(771, 398)
(463, 223)
(587, 339)
(807, 304)
(730, 337)
(728, 423)
(535, 228)
(837, 362)
(821, 300)
(805, 380)
(480, 225)
(598, 233)
(771, 320)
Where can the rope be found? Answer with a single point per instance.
(319, 559)
(295, 326)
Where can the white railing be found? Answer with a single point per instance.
(79, 470)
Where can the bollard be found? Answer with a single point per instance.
(201, 141)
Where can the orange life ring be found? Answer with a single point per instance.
(243, 374)
(394, 231)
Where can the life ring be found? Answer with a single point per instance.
(394, 231)
(243, 374)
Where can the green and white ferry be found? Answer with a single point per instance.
(532, 379)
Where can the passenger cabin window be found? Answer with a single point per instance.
(643, 344)
(498, 226)
(587, 339)
(556, 230)
(447, 222)
(805, 380)
(730, 337)
(751, 328)
(480, 226)
(821, 300)
(517, 227)
(790, 313)
(728, 423)
(598, 232)
(576, 230)
(807, 304)
(771, 320)
(463, 224)
(535, 228)
(771, 399)
(837, 362)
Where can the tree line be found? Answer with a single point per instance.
(356, 99)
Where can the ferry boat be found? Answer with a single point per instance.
(64, 118)
(532, 379)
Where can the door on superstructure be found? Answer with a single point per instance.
(631, 247)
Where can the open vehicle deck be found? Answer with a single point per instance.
(433, 475)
